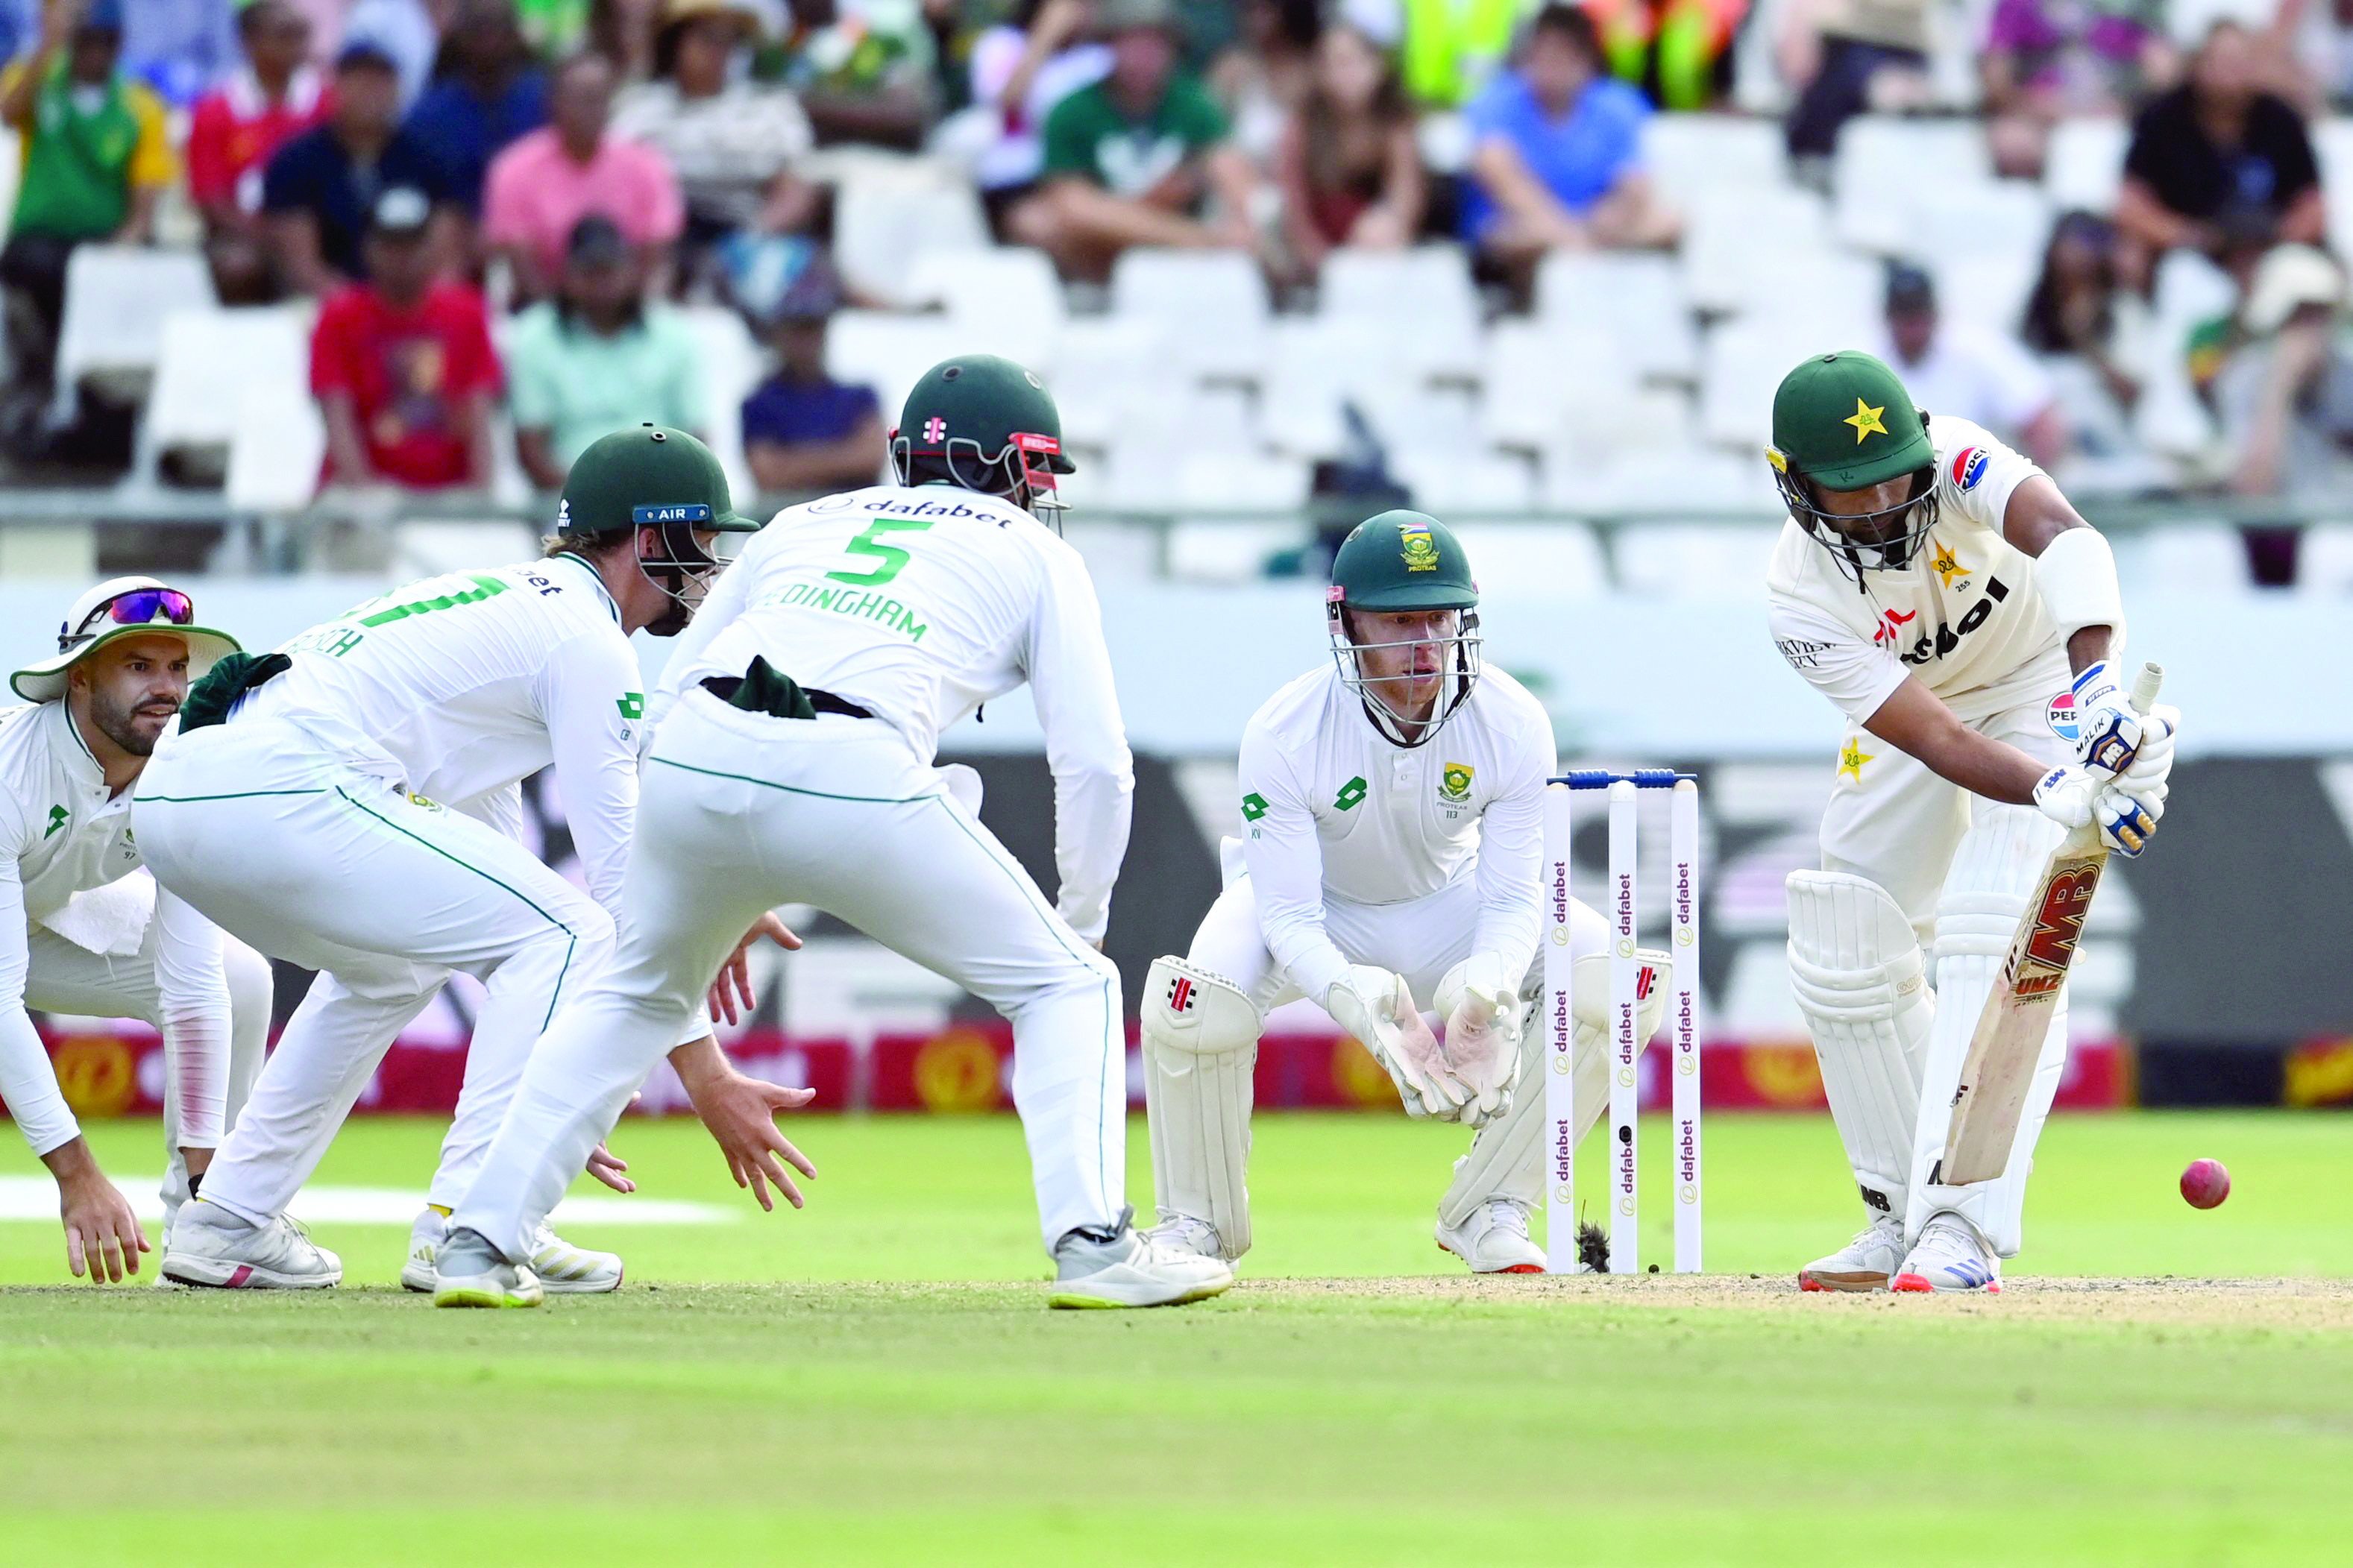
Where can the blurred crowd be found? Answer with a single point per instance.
(424, 168)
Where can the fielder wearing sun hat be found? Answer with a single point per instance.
(121, 608)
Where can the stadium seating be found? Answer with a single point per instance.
(117, 298)
(1426, 290)
(1729, 227)
(1213, 303)
(1889, 170)
(886, 218)
(2084, 164)
(1637, 301)
(203, 358)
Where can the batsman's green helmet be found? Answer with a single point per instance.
(981, 421)
(1402, 561)
(1843, 421)
(651, 477)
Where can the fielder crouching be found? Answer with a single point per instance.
(84, 929)
(1393, 809)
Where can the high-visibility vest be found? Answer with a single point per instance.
(1451, 45)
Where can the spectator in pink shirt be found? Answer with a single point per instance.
(542, 185)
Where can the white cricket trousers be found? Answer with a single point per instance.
(63, 976)
(1962, 869)
(310, 860)
(741, 812)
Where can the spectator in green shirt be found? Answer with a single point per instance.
(1139, 158)
(597, 358)
(95, 153)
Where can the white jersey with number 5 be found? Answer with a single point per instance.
(919, 605)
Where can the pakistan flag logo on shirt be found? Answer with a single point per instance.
(1454, 786)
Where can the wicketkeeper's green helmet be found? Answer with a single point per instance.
(1404, 561)
(984, 424)
(1843, 421)
(653, 477)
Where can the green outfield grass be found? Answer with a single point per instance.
(876, 1378)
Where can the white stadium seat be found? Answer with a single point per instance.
(203, 358)
(1094, 376)
(884, 221)
(2324, 563)
(1987, 289)
(277, 447)
(1223, 551)
(1423, 298)
(730, 366)
(431, 548)
(2085, 164)
(886, 349)
(1466, 480)
(1728, 228)
(2006, 218)
(2182, 557)
(1716, 559)
(1827, 299)
(1679, 479)
(1547, 383)
(1553, 557)
(1002, 299)
(1213, 301)
(1313, 364)
(1637, 301)
(117, 298)
(1888, 167)
(1745, 362)
(1686, 153)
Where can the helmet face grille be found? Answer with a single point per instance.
(1460, 657)
(1883, 541)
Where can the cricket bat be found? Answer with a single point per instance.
(2009, 1039)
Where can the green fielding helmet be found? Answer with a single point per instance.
(651, 477)
(977, 409)
(1402, 561)
(1844, 422)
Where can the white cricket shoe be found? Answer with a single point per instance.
(1494, 1239)
(1125, 1269)
(1863, 1264)
(1949, 1256)
(565, 1270)
(1187, 1234)
(562, 1268)
(472, 1273)
(209, 1246)
(424, 1242)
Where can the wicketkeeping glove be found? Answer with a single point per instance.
(1481, 1010)
(1378, 1008)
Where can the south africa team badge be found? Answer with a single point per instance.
(1454, 784)
(1420, 550)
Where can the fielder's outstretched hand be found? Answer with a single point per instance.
(608, 1167)
(101, 1230)
(735, 975)
(741, 1115)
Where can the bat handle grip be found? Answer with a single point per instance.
(2145, 685)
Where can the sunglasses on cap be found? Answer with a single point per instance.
(139, 607)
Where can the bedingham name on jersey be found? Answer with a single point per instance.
(1332, 810)
(1964, 617)
(458, 687)
(919, 605)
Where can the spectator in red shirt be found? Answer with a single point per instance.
(276, 94)
(402, 363)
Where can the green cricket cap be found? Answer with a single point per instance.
(1844, 421)
(646, 478)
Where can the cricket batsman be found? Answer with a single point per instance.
(83, 928)
(795, 762)
(1941, 593)
(1393, 813)
(351, 803)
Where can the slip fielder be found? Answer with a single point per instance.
(1936, 588)
(84, 929)
(1393, 825)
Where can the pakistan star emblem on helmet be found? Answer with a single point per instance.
(1420, 550)
(1866, 420)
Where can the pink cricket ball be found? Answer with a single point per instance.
(2205, 1184)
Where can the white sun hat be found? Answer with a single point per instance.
(121, 608)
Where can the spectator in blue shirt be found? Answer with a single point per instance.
(182, 48)
(803, 430)
(488, 93)
(322, 185)
(1555, 161)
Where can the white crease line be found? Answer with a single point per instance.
(35, 1198)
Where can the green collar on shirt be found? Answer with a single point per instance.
(595, 577)
(81, 762)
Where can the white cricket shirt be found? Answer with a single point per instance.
(1333, 809)
(62, 833)
(919, 605)
(1964, 615)
(458, 687)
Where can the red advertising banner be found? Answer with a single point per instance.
(968, 1068)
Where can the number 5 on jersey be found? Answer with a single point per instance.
(894, 559)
